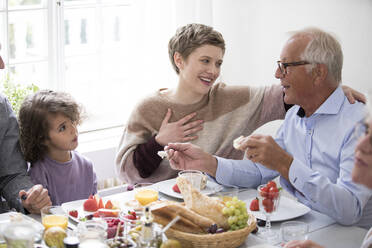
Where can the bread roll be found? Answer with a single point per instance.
(237, 142)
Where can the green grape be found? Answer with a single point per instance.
(236, 210)
(225, 211)
(240, 222)
(230, 221)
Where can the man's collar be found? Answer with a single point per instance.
(331, 105)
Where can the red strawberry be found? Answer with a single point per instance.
(268, 204)
(131, 215)
(176, 189)
(254, 205)
(90, 205)
(271, 184)
(109, 204)
(264, 192)
(273, 193)
(73, 213)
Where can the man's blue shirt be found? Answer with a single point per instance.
(322, 146)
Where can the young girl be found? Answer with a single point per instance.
(48, 137)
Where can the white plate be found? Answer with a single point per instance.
(288, 209)
(5, 219)
(76, 205)
(165, 187)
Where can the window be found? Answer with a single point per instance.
(79, 46)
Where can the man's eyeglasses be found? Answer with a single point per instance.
(283, 66)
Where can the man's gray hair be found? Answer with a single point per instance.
(323, 48)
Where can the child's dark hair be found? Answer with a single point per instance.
(33, 121)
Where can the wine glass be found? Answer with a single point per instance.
(268, 197)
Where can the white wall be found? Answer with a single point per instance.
(254, 31)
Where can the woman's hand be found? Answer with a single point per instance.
(353, 95)
(179, 131)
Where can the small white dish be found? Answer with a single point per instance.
(165, 187)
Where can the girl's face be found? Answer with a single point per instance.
(63, 134)
(201, 69)
(362, 171)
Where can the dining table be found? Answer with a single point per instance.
(322, 229)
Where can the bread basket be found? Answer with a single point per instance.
(229, 239)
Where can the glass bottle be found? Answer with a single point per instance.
(147, 230)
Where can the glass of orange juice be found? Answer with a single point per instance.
(54, 216)
(226, 193)
(145, 193)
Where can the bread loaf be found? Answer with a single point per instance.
(206, 206)
(191, 222)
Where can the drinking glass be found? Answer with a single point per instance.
(268, 202)
(195, 177)
(227, 193)
(294, 230)
(145, 193)
(130, 222)
(54, 216)
(19, 234)
(92, 229)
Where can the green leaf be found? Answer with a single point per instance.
(16, 93)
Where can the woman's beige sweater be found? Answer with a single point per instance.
(227, 111)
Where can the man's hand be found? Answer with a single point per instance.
(179, 131)
(302, 244)
(35, 199)
(264, 150)
(186, 156)
(353, 95)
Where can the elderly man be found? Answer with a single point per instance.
(314, 149)
(14, 182)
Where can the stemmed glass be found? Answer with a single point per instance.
(268, 197)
